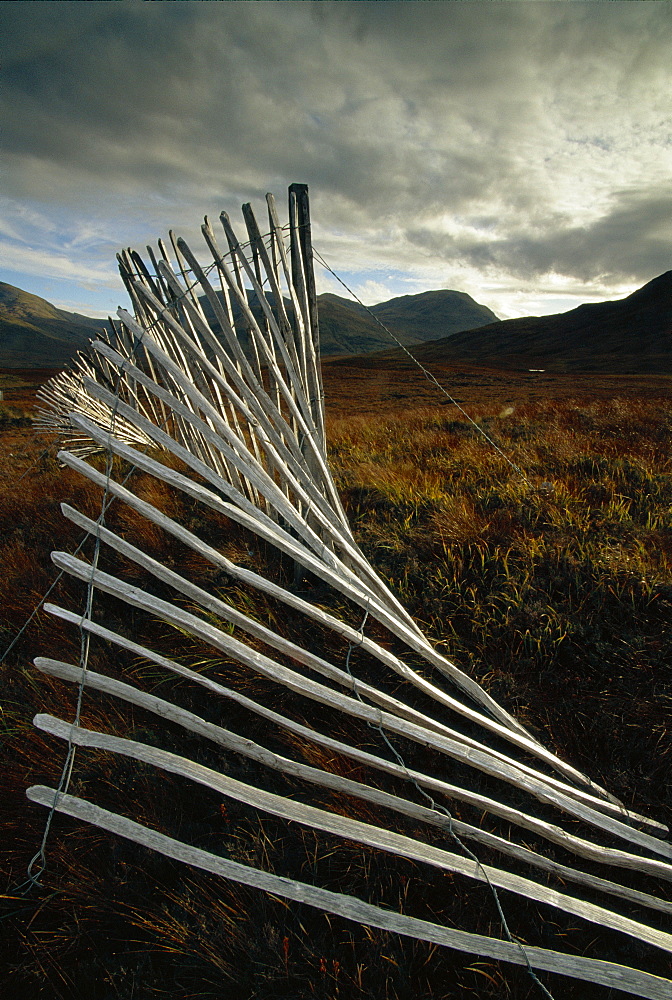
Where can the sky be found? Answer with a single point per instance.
(517, 151)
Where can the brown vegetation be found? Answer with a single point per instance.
(554, 590)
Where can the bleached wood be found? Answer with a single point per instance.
(252, 433)
(293, 375)
(335, 782)
(249, 577)
(300, 655)
(350, 829)
(541, 787)
(297, 653)
(609, 974)
(223, 436)
(419, 643)
(316, 613)
(301, 232)
(330, 570)
(435, 786)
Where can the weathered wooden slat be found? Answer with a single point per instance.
(330, 570)
(609, 974)
(363, 566)
(297, 653)
(278, 456)
(335, 782)
(301, 225)
(293, 374)
(251, 431)
(354, 637)
(351, 829)
(247, 383)
(541, 787)
(300, 655)
(516, 817)
(323, 618)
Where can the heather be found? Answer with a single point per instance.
(549, 581)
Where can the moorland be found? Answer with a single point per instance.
(546, 574)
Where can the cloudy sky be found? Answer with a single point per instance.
(518, 151)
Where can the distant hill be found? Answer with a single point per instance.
(630, 336)
(433, 315)
(346, 327)
(35, 334)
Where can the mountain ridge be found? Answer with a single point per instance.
(36, 334)
(632, 335)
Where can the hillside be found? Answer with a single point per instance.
(433, 315)
(346, 327)
(35, 334)
(631, 335)
(628, 336)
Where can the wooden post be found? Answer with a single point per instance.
(299, 193)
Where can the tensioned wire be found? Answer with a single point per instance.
(425, 371)
(66, 773)
(195, 284)
(438, 807)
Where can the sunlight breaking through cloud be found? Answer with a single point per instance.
(483, 147)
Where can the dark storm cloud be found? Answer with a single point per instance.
(632, 242)
(155, 91)
(513, 119)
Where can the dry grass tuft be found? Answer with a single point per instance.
(556, 593)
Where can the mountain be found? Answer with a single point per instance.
(631, 335)
(343, 330)
(35, 334)
(346, 327)
(433, 315)
(628, 336)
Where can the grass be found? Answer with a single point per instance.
(13, 416)
(555, 591)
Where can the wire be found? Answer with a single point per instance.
(66, 774)
(437, 807)
(425, 371)
(35, 463)
(85, 646)
(227, 254)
